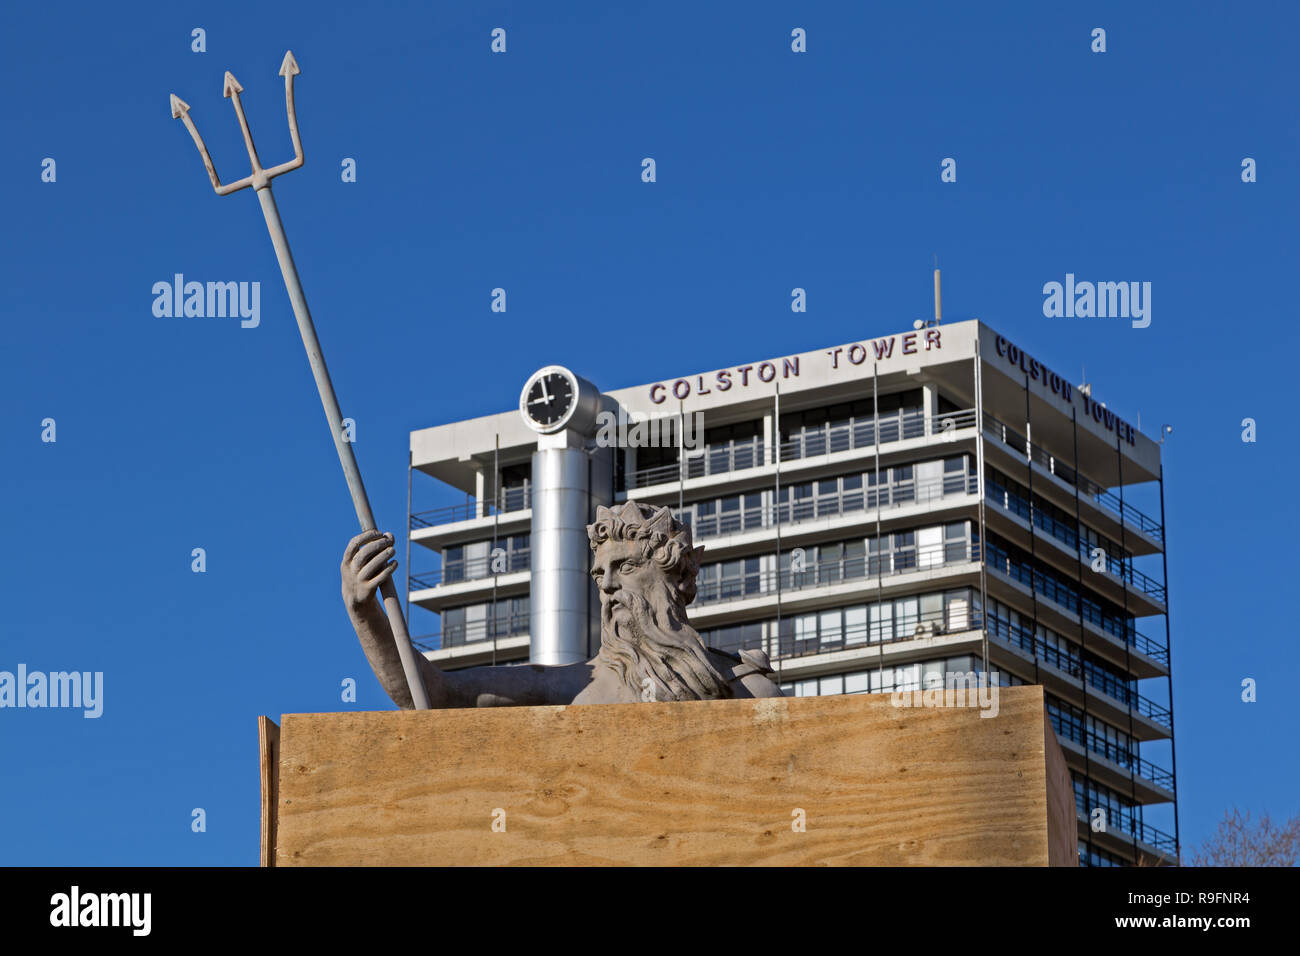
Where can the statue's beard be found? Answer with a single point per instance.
(655, 652)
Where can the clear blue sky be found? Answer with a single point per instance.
(522, 170)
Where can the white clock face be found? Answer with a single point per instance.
(548, 399)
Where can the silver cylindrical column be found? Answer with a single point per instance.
(559, 610)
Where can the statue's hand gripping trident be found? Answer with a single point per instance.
(260, 180)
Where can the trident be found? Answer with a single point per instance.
(260, 180)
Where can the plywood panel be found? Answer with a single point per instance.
(268, 746)
(701, 783)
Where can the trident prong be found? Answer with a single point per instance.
(231, 88)
(260, 180)
(288, 70)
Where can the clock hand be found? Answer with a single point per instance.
(545, 393)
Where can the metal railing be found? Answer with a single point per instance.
(831, 504)
(823, 573)
(1070, 728)
(808, 443)
(1127, 823)
(868, 432)
(709, 460)
(454, 572)
(460, 635)
(509, 499)
(1017, 636)
(1087, 487)
(1017, 504)
(1053, 590)
(791, 645)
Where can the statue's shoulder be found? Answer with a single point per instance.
(745, 663)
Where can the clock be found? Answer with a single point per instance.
(554, 398)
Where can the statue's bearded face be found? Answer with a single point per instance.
(623, 575)
(645, 636)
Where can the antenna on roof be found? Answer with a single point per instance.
(938, 311)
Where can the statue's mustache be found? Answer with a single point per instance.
(629, 600)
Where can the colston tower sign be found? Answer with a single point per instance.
(743, 376)
(1038, 372)
(857, 358)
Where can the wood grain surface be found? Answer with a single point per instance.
(698, 783)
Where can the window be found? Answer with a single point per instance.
(954, 475)
(904, 489)
(929, 547)
(955, 546)
(855, 624)
(480, 622)
(855, 558)
(857, 683)
(905, 616)
(453, 564)
(904, 550)
(958, 610)
(706, 518)
(831, 632)
(907, 677)
(852, 492)
(796, 502)
(881, 616)
(829, 563)
(828, 497)
(805, 627)
(453, 624)
(932, 609)
(729, 518)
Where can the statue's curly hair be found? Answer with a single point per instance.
(662, 539)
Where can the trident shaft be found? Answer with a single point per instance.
(260, 180)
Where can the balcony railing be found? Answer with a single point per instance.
(1128, 823)
(1070, 728)
(453, 572)
(808, 443)
(1052, 590)
(868, 432)
(1017, 636)
(830, 504)
(791, 645)
(710, 460)
(1087, 487)
(476, 632)
(509, 499)
(1124, 570)
(822, 573)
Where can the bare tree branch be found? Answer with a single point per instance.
(1238, 843)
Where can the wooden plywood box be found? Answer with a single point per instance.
(849, 780)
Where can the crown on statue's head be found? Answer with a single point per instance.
(636, 519)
